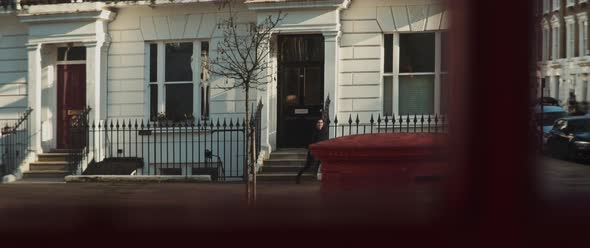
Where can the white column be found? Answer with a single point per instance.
(96, 90)
(96, 87)
(331, 62)
(270, 102)
(34, 95)
(553, 87)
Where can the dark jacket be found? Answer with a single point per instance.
(319, 135)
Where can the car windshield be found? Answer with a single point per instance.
(579, 126)
(550, 117)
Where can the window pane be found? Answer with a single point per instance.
(74, 53)
(290, 77)
(204, 61)
(315, 48)
(153, 101)
(444, 93)
(444, 51)
(307, 48)
(416, 95)
(179, 101)
(313, 86)
(208, 101)
(388, 96)
(178, 62)
(153, 62)
(388, 57)
(416, 52)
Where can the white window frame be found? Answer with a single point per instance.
(556, 5)
(161, 70)
(546, 6)
(395, 74)
(570, 28)
(545, 45)
(582, 34)
(555, 44)
(582, 1)
(555, 39)
(571, 3)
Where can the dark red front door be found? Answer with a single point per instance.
(71, 99)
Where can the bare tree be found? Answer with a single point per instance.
(242, 60)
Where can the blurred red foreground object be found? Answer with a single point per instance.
(381, 162)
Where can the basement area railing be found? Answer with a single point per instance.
(14, 142)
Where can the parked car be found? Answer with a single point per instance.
(547, 119)
(570, 138)
(548, 101)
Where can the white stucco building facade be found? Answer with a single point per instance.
(123, 48)
(562, 49)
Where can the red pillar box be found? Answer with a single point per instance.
(381, 162)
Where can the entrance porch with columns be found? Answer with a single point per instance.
(47, 31)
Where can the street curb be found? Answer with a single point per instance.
(138, 179)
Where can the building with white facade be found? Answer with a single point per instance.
(563, 51)
(136, 60)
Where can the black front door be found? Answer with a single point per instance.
(300, 88)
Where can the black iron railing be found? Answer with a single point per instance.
(13, 4)
(14, 142)
(78, 137)
(7, 4)
(140, 147)
(410, 123)
(423, 123)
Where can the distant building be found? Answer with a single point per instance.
(563, 53)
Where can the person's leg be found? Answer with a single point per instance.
(308, 163)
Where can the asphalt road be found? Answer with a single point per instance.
(63, 207)
(560, 178)
(286, 210)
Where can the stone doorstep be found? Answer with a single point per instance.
(139, 179)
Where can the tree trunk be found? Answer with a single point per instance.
(249, 184)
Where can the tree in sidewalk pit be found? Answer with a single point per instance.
(242, 59)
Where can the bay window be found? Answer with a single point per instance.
(173, 85)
